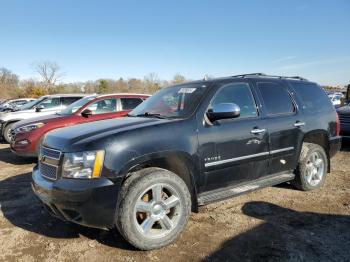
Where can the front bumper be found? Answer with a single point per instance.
(23, 150)
(334, 145)
(90, 202)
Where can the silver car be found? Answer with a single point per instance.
(46, 105)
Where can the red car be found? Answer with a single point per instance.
(27, 134)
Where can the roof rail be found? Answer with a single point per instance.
(251, 74)
(272, 76)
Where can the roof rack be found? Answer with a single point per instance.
(272, 76)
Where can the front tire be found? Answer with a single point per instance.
(7, 133)
(154, 209)
(312, 168)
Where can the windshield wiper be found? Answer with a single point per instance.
(147, 114)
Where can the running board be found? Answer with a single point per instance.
(224, 193)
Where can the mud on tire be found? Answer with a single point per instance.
(312, 167)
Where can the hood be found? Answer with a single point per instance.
(13, 115)
(43, 119)
(344, 110)
(25, 114)
(76, 137)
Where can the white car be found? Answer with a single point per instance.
(14, 103)
(46, 105)
(336, 98)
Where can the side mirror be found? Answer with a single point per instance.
(223, 111)
(86, 113)
(39, 108)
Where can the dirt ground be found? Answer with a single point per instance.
(273, 224)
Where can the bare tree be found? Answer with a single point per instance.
(151, 83)
(178, 79)
(49, 72)
(8, 83)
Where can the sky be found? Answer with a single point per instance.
(111, 39)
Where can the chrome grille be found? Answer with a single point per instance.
(50, 153)
(48, 171)
(48, 162)
(13, 135)
(344, 118)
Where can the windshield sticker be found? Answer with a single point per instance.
(186, 90)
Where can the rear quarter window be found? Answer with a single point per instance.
(312, 97)
(69, 100)
(130, 103)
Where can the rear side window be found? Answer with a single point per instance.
(276, 98)
(312, 96)
(130, 103)
(69, 100)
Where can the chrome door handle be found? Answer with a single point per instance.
(258, 131)
(298, 124)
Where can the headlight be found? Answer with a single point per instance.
(28, 128)
(83, 164)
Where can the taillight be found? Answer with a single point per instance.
(338, 125)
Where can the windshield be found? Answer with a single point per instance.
(74, 107)
(172, 102)
(31, 104)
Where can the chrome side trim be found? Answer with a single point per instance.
(235, 159)
(247, 157)
(281, 150)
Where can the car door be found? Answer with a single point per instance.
(284, 122)
(234, 150)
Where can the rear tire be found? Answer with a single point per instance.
(312, 168)
(154, 208)
(6, 134)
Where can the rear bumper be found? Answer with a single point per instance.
(334, 145)
(90, 202)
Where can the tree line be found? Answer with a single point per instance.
(50, 76)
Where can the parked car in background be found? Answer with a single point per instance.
(336, 99)
(187, 145)
(47, 105)
(344, 115)
(11, 105)
(27, 134)
(3, 101)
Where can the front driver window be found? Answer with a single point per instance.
(103, 106)
(239, 94)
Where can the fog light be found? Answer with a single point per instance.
(23, 142)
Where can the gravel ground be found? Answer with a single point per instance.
(273, 224)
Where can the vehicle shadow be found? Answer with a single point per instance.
(288, 235)
(345, 145)
(21, 207)
(8, 157)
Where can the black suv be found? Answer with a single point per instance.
(186, 146)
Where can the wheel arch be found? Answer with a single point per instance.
(177, 162)
(319, 137)
(12, 121)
